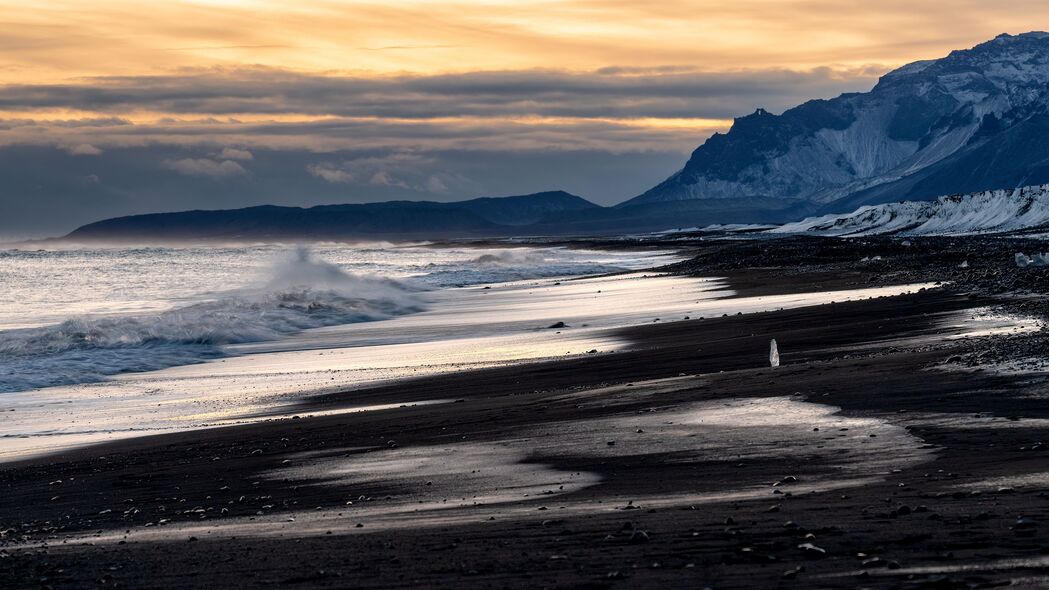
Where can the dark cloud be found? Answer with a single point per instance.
(611, 92)
(339, 133)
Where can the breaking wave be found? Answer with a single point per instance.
(511, 257)
(300, 293)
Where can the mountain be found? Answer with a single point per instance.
(974, 120)
(527, 209)
(1000, 211)
(395, 219)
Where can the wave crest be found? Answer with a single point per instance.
(300, 293)
(510, 257)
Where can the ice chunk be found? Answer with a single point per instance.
(773, 353)
(1039, 259)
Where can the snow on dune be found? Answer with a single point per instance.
(997, 211)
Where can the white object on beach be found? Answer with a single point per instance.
(1023, 260)
(773, 353)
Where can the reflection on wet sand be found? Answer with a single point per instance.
(470, 328)
(529, 470)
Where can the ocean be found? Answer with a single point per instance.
(81, 315)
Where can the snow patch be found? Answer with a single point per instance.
(987, 212)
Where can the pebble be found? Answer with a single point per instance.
(812, 551)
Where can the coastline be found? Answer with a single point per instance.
(576, 449)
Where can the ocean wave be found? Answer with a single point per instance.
(511, 257)
(300, 293)
(518, 264)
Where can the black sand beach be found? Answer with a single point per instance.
(875, 456)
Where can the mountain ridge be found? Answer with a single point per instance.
(925, 118)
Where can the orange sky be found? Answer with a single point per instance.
(57, 39)
(66, 40)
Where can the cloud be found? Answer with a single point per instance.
(392, 170)
(234, 113)
(413, 172)
(330, 134)
(206, 167)
(84, 149)
(667, 91)
(384, 178)
(434, 184)
(330, 172)
(229, 153)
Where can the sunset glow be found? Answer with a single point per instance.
(502, 78)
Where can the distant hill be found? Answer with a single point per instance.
(395, 219)
(526, 209)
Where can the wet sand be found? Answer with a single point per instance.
(863, 461)
(464, 329)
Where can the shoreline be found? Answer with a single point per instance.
(240, 500)
(498, 326)
(461, 329)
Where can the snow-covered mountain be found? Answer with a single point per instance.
(975, 120)
(986, 212)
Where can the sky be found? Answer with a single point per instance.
(114, 107)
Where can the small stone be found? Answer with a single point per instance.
(875, 562)
(812, 551)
